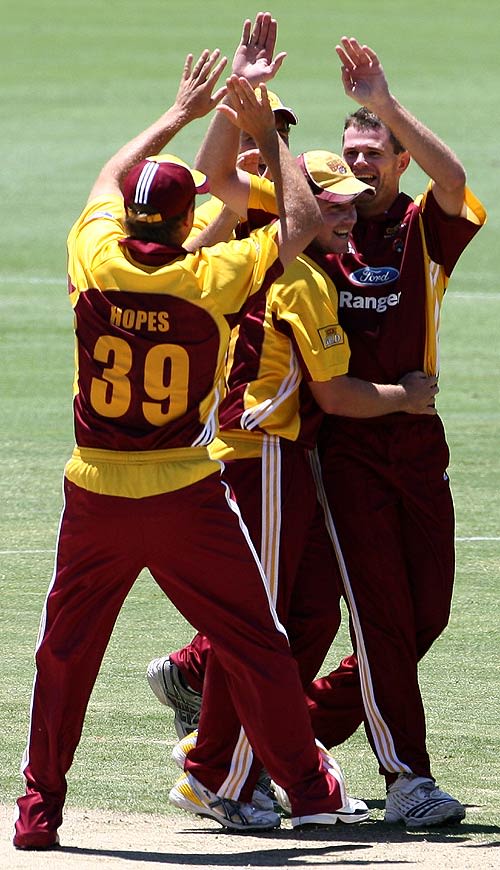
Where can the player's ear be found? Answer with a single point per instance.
(403, 161)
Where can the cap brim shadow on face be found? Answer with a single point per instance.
(337, 198)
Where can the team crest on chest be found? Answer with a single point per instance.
(391, 231)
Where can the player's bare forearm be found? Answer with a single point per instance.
(150, 141)
(351, 397)
(216, 157)
(219, 230)
(433, 156)
(300, 216)
(195, 98)
(241, 110)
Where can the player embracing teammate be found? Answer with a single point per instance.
(386, 497)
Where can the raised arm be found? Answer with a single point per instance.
(364, 81)
(194, 100)
(220, 229)
(299, 213)
(253, 60)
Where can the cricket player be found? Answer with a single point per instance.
(386, 479)
(268, 418)
(421, 242)
(152, 324)
(287, 347)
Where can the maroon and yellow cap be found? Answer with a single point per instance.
(164, 185)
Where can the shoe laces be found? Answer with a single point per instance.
(264, 785)
(233, 811)
(423, 786)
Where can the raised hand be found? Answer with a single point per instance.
(195, 96)
(253, 58)
(362, 74)
(249, 161)
(245, 111)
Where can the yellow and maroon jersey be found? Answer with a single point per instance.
(288, 337)
(392, 282)
(152, 326)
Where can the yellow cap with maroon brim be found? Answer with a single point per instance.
(330, 177)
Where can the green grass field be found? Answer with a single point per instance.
(78, 81)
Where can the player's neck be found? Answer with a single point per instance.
(375, 207)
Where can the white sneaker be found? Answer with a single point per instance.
(282, 799)
(352, 810)
(189, 794)
(263, 794)
(419, 803)
(165, 680)
(182, 748)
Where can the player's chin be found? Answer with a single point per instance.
(339, 243)
(367, 196)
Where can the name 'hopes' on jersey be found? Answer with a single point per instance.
(150, 359)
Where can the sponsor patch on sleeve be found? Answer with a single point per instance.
(331, 335)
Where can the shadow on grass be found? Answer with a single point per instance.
(303, 852)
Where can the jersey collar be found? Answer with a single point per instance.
(152, 253)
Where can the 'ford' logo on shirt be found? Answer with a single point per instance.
(374, 275)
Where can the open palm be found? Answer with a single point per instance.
(253, 58)
(363, 76)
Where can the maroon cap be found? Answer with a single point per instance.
(164, 184)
